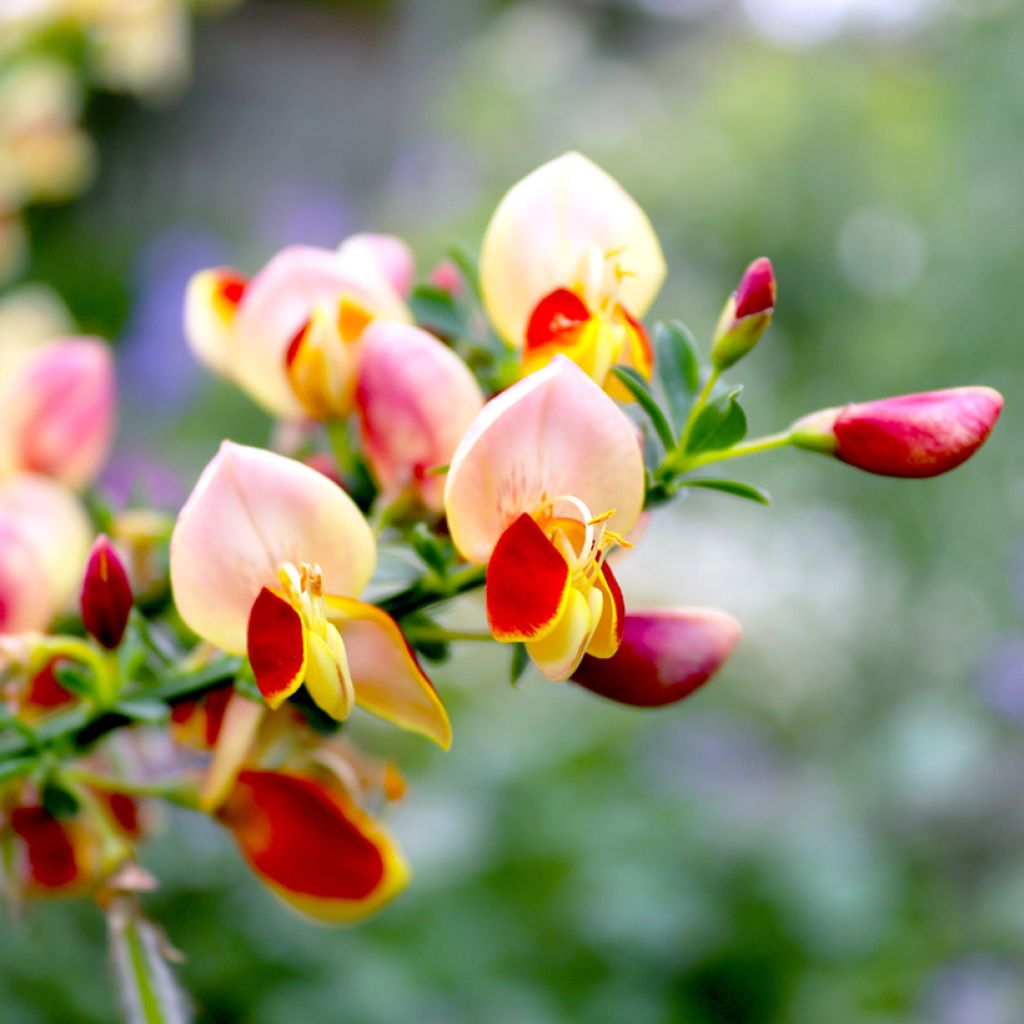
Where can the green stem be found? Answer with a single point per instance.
(433, 590)
(437, 634)
(758, 444)
(695, 409)
(177, 792)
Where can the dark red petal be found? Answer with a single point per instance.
(560, 310)
(276, 645)
(665, 656)
(620, 605)
(299, 836)
(106, 595)
(45, 692)
(527, 582)
(51, 854)
(756, 291)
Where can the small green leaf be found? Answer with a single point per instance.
(734, 487)
(74, 678)
(638, 388)
(677, 361)
(720, 424)
(430, 548)
(148, 711)
(437, 310)
(518, 663)
(58, 801)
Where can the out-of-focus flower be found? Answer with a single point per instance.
(416, 398)
(569, 264)
(43, 153)
(106, 595)
(389, 254)
(57, 409)
(44, 541)
(288, 337)
(746, 316)
(548, 478)
(665, 655)
(917, 435)
(447, 276)
(313, 846)
(30, 315)
(267, 558)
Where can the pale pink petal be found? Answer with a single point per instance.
(555, 433)
(278, 302)
(416, 399)
(57, 410)
(543, 230)
(388, 255)
(251, 511)
(44, 543)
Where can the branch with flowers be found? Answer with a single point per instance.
(504, 431)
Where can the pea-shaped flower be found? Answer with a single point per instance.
(288, 337)
(268, 558)
(569, 264)
(547, 480)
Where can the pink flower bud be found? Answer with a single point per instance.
(106, 595)
(447, 276)
(58, 413)
(416, 398)
(665, 655)
(746, 315)
(917, 435)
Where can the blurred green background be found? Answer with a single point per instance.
(833, 830)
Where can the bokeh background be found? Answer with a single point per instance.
(832, 831)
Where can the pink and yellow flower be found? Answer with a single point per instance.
(416, 399)
(547, 480)
(569, 265)
(289, 336)
(268, 558)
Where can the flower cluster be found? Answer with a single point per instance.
(505, 431)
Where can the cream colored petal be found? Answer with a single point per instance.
(554, 433)
(544, 228)
(250, 511)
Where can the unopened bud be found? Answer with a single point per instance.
(918, 435)
(746, 315)
(665, 655)
(106, 595)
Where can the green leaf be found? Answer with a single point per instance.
(437, 310)
(518, 663)
(58, 801)
(74, 678)
(464, 258)
(148, 711)
(734, 487)
(720, 424)
(638, 388)
(430, 548)
(677, 361)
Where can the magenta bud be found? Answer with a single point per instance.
(666, 654)
(917, 435)
(106, 595)
(746, 315)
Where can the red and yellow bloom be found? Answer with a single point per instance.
(289, 336)
(548, 478)
(267, 559)
(569, 265)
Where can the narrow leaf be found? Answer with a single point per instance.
(734, 487)
(437, 310)
(148, 990)
(638, 388)
(518, 663)
(678, 363)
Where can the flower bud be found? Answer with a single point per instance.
(665, 655)
(416, 399)
(447, 276)
(106, 595)
(746, 315)
(918, 435)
